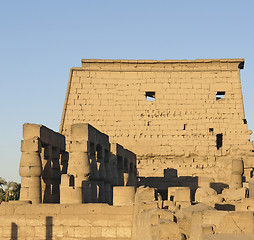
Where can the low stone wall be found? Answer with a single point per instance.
(62, 221)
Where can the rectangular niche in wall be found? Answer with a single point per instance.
(219, 141)
(220, 95)
(150, 96)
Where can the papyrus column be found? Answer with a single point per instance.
(30, 170)
(236, 176)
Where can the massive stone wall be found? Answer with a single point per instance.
(195, 122)
(60, 221)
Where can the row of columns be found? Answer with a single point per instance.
(86, 174)
(40, 169)
(94, 168)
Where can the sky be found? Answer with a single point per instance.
(41, 40)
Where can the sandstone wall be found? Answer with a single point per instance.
(68, 222)
(196, 124)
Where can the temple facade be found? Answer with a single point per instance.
(147, 150)
(183, 115)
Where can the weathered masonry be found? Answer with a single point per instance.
(147, 150)
(85, 174)
(182, 115)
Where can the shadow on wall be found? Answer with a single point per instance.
(48, 233)
(49, 228)
(171, 179)
(14, 231)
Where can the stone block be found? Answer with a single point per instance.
(109, 232)
(182, 194)
(237, 223)
(251, 188)
(6, 232)
(205, 181)
(73, 209)
(45, 209)
(234, 195)
(79, 146)
(39, 231)
(183, 204)
(92, 220)
(95, 208)
(123, 196)
(174, 232)
(96, 232)
(179, 194)
(123, 232)
(119, 220)
(34, 220)
(236, 181)
(69, 232)
(82, 232)
(26, 232)
(31, 145)
(247, 204)
(46, 135)
(70, 220)
(115, 210)
(145, 194)
(206, 195)
(228, 236)
(70, 195)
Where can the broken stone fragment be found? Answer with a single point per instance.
(207, 195)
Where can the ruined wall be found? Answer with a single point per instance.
(85, 174)
(195, 124)
(60, 221)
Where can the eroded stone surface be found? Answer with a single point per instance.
(147, 150)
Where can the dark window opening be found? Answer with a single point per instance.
(244, 121)
(219, 141)
(220, 95)
(241, 65)
(150, 96)
(211, 130)
(71, 181)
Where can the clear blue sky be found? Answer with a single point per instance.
(41, 40)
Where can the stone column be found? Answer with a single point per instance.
(69, 194)
(113, 169)
(94, 177)
(102, 175)
(237, 172)
(126, 172)
(108, 192)
(46, 174)
(251, 188)
(79, 166)
(30, 170)
(56, 175)
(120, 171)
(64, 162)
(132, 177)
